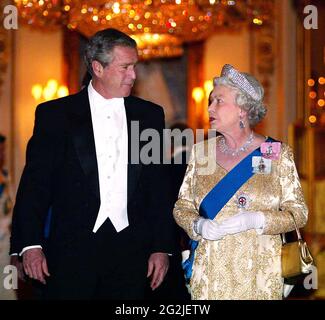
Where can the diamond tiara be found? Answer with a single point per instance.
(239, 80)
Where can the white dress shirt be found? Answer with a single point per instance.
(111, 140)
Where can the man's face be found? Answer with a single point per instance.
(116, 80)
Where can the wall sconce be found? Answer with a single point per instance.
(201, 97)
(50, 91)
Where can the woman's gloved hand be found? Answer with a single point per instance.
(242, 222)
(208, 229)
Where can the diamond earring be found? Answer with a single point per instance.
(241, 123)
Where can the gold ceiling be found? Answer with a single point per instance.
(160, 27)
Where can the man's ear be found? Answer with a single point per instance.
(97, 68)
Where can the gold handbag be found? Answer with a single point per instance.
(296, 257)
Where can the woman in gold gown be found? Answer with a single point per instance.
(239, 194)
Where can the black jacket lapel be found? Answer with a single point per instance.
(134, 167)
(83, 139)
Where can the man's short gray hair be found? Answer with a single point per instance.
(255, 108)
(100, 46)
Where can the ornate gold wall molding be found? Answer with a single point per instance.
(195, 78)
(3, 48)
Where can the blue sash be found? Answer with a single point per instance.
(216, 199)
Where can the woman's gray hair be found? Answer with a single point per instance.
(255, 108)
(100, 46)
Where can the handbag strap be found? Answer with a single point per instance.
(297, 230)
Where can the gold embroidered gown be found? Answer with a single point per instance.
(245, 265)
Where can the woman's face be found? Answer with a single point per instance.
(223, 111)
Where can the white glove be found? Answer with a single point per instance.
(209, 229)
(242, 222)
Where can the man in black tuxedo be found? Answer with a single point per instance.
(111, 215)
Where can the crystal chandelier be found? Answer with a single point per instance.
(160, 27)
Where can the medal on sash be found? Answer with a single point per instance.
(243, 202)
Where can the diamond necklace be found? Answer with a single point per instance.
(234, 152)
